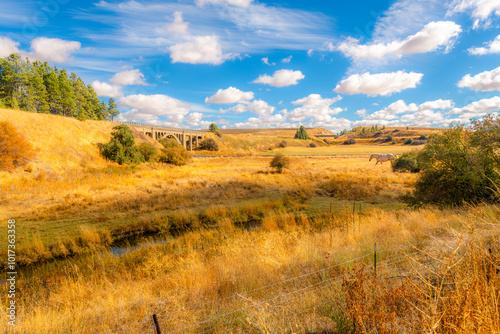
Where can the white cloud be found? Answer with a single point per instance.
(7, 47)
(478, 108)
(484, 81)
(286, 60)
(178, 26)
(378, 84)
(430, 38)
(481, 10)
(315, 107)
(160, 105)
(265, 60)
(202, 50)
(265, 121)
(492, 48)
(54, 49)
(361, 112)
(258, 107)
(281, 78)
(193, 119)
(105, 89)
(237, 3)
(229, 95)
(130, 77)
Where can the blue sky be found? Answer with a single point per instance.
(254, 63)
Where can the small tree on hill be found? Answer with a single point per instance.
(279, 162)
(214, 129)
(121, 148)
(14, 149)
(302, 133)
(209, 144)
(112, 110)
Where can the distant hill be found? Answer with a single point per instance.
(399, 135)
(287, 132)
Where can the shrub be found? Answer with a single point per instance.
(170, 142)
(302, 133)
(408, 141)
(313, 144)
(418, 142)
(406, 163)
(279, 162)
(283, 144)
(121, 148)
(14, 149)
(148, 151)
(350, 141)
(460, 166)
(388, 139)
(209, 145)
(422, 137)
(174, 155)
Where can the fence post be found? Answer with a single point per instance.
(156, 324)
(375, 257)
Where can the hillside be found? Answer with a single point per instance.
(286, 132)
(398, 134)
(63, 142)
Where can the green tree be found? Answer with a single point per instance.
(121, 148)
(213, 128)
(302, 133)
(112, 109)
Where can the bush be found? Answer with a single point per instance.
(408, 141)
(121, 148)
(170, 142)
(350, 141)
(148, 151)
(388, 139)
(279, 162)
(209, 145)
(174, 155)
(14, 149)
(422, 137)
(418, 142)
(313, 144)
(283, 144)
(460, 166)
(406, 163)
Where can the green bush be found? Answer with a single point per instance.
(209, 145)
(388, 139)
(174, 155)
(405, 163)
(170, 142)
(313, 144)
(148, 151)
(460, 166)
(408, 141)
(279, 162)
(283, 144)
(121, 148)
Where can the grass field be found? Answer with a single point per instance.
(228, 245)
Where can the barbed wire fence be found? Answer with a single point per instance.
(283, 300)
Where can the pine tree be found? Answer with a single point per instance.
(302, 133)
(112, 110)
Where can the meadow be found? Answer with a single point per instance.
(225, 244)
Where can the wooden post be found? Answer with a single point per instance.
(375, 258)
(156, 324)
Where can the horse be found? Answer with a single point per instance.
(382, 157)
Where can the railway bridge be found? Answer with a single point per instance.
(188, 138)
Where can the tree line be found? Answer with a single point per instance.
(38, 87)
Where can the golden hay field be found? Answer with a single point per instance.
(225, 244)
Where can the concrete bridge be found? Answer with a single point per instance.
(188, 138)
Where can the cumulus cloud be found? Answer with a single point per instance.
(130, 77)
(258, 107)
(7, 47)
(492, 47)
(54, 49)
(105, 89)
(315, 107)
(229, 95)
(484, 81)
(193, 119)
(430, 38)
(178, 26)
(480, 10)
(478, 108)
(201, 50)
(160, 105)
(264, 121)
(424, 114)
(379, 84)
(281, 78)
(237, 3)
(286, 60)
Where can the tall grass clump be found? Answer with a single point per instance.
(14, 149)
